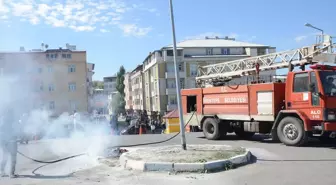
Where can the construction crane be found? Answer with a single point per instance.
(220, 73)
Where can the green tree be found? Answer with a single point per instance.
(98, 85)
(118, 101)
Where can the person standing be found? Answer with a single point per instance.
(8, 141)
(75, 119)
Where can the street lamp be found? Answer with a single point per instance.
(177, 78)
(311, 26)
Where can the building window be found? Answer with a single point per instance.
(261, 51)
(179, 52)
(172, 100)
(72, 86)
(181, 67)
(66, 56)
(50, 69)
(72, 105)
(192, 84)
(40, 88)
(182, 83)
(171, 83)
(51, 87)
(40, 70)
(51, 56)
(170, 53)
(71, 68)
(225, 51)
(209, 51)
(51, 105)
(170, 67)
(193, 69)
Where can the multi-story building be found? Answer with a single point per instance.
(90, 73)
(55, 79)
(110, 83)
(137, 86)
(99, 101)
(158, 67)
(128, 91)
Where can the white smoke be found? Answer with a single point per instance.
(18, 92)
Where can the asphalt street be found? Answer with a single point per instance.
(276, 164)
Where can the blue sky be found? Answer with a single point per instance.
(123, 32)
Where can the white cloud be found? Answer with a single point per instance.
(300, 38)
(3, 17)
(34, 20)
(78, 15)
(82, 28)
(134, 30)
(20, 9)
(104, 30)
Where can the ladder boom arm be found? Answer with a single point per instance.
(278, 60)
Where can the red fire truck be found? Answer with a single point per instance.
(302, 106)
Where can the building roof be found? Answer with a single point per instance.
(213, 43)
(138, 68)
(172, 114)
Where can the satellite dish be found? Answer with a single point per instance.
(46, 46)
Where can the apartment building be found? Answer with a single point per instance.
(159, 72)
(90, 73)
(99, 101)
(137, 88)
(54, 79)
(128, 91)
(110, 83)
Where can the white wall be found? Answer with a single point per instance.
(215, 51)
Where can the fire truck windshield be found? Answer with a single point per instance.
(328, 82)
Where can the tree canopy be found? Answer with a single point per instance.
(98, 85)
(118, 100)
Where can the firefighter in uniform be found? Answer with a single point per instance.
(8, 142)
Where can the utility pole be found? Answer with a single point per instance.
(177, 78)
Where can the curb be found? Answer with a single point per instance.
(224, 164)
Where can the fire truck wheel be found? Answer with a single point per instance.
(291, 132)
(211, 129)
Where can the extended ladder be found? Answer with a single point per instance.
(232, 69)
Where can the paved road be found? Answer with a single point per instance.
(286, 165)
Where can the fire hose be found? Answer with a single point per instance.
(78, 155)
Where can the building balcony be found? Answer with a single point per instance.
(172, 74)
(136, 97)
(170, 91)
(171, 58)
(135, 86)
(171, 107)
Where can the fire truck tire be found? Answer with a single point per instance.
(291, 132)
(211, 129)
